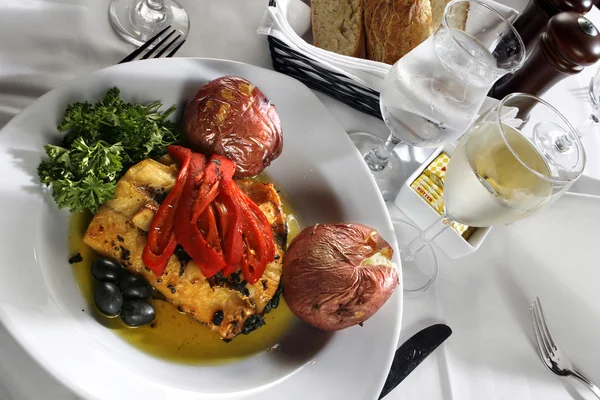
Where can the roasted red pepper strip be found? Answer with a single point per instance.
(217, 169)
(208, 227)
(258, 241)
(229, 219)
(223, 220)
(157, 262)
(229, 269)
(161, 236)
(264, 228)
(207, 258)
(251, 234)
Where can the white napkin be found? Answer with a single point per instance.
(291, 19)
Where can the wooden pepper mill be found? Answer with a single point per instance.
(536, 15)
(569, 43)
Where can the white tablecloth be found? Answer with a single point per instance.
(483, 297)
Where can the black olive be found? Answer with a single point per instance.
(106, 270)
(135, 287)
(137, 313)
(108, 298)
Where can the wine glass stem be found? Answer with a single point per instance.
(377, 158)
(156, 5)
(151, 11)
(409, 250)
(589, 125)
(564, 143)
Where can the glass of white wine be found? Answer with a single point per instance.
(498, 174)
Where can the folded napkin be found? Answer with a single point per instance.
(291, 19)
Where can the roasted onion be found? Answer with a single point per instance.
(336, 276)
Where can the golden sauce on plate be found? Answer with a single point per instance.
(175, 336)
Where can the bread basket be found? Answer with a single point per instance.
(315, 76)
(343, 80)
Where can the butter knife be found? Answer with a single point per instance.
(413, 352)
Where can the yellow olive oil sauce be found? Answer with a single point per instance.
(175, 336)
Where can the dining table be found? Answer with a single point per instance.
(484, 297)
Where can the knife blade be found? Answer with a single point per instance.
(413, 352)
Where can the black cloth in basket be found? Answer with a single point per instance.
(313, 75)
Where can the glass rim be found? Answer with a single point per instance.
(593, 90)
(501, 17)
(576, 142)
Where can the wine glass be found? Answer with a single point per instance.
(499, 174)
(432, 94)
(556, 144)
(139, 20)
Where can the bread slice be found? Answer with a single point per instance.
(458, 18)
(337, 26)
(395, 27)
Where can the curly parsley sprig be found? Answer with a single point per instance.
(102, 141)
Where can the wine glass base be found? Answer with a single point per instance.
(390, 178)
(420, 272)
(137, 23)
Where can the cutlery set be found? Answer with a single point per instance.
(424, 342)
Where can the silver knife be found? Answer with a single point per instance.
(413, 352)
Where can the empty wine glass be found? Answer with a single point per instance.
(139, 20)
(498, 174)
(555, 143)
(432, 94)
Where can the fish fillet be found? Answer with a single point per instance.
(225, 305)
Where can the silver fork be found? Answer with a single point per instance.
(162, 46)
(554, 358)
(581, 93)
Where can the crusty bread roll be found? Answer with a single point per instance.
(337, 26)
(395, 27)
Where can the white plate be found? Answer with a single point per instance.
(41, 306)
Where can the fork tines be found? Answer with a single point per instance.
(542, 334)
(162, 46)
(580, 93)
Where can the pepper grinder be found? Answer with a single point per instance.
(536, 15)
(533, 21)
(569, 43)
